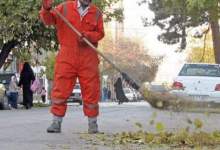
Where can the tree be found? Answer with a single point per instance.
(20, 26)
(131, 57)
(202, 50)
(49, 63)
(174, 17)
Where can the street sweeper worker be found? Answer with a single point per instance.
(75, 59)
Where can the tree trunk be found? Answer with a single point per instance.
(6, 49)
(216, 39)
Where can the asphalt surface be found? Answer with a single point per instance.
(26, 129)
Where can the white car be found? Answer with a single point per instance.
(199, 82)
(3, 98)
(76, 95)
(130, 94)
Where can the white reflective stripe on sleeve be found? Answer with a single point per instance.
(98, 13)
(64, 9)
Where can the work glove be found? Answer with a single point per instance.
(47, 4)
(81, 41)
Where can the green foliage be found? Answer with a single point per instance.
(20, 22)
(199, 8)
(49, 63)
(198, 123)
(106, 5)
(203, 53)
(160, 127)
(22, 54)
(198, 54)
(175, 16)
(17, 18)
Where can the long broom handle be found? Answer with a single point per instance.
(125, 76)
(86, 40)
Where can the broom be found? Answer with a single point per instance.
(165, 101)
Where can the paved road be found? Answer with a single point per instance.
(25, 129)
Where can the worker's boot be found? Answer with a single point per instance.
(55, 127)
(93, 126)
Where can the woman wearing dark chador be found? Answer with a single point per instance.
(26, 79)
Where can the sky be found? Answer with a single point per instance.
(133, 27)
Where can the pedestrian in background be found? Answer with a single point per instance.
(13, 93)
(43, 94)
(26, 79)
(109, 94)
(105, 93)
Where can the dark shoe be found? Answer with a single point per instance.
(93, 126)
(26, 107)
(55, 127)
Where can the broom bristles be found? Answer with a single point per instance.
(167, 101)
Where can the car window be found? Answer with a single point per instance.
(5, 78)
(200, 70)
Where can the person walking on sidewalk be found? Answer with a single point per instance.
(26, 78)
(43, 94)
(75, 59)
(13, 92)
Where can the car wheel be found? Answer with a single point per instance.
(80, 102)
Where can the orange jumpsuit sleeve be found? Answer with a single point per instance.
(98, 34)
(49, 17)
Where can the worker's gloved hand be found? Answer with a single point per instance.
(47, 4)
(81, 41)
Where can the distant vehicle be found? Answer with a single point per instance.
(200, 82)
(76, 96)
(130, 94)
(3, 98)
(5, 79)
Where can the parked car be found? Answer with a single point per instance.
(3, 98)
(199, 82)
(4, 81)
(130, 94)
(76, 96)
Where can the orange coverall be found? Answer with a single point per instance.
(76, 59)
